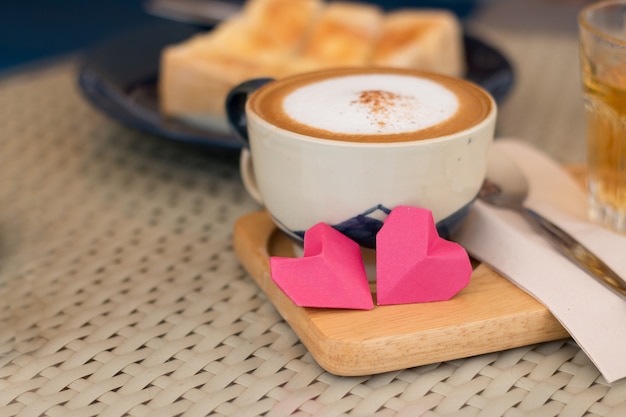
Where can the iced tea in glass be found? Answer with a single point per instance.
(603, 62)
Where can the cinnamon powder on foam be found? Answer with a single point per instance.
(379, 103)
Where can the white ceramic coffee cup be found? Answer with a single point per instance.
(352, 186)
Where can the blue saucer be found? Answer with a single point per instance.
(119, 77)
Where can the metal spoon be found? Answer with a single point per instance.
(505, 186)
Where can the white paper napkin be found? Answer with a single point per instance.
(592, 314)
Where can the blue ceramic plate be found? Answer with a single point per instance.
(119, 77)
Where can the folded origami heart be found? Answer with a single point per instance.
(330, 274)
(413, 264)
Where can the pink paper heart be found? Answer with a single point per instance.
(331, 273)
(413, 264)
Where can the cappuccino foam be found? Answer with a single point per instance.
(371, 104)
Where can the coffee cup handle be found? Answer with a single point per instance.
(235, 107)
(236, 114)
(247, 175)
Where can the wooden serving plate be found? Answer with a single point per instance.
(490, 314)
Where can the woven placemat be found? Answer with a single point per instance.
(121, 294)
(540, 39)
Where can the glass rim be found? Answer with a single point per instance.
(583, 21)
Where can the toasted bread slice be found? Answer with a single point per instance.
(430, 40)
(274, 38)
(282, 24)
(344, 35)
(197, 74)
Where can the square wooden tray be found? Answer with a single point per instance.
(490, 314)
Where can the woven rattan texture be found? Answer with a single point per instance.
(540, 38)
(121, 294)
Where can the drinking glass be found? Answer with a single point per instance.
(602, 28)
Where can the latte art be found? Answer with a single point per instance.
(371, 104)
